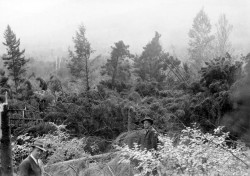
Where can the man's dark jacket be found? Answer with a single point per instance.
(148, 139)
(29, 168)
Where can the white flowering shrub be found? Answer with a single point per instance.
(21, 148)
(61, 147)
(195, 154)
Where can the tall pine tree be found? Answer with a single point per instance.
(149, 65)
(117, 67)
(14, 60)
(79, 64)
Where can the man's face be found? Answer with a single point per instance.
(37, 153)
(146, 124)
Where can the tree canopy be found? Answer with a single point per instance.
(200, 43)
(118, 67)
(79, 58)
(14, 59)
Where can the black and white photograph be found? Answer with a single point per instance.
(124, 88)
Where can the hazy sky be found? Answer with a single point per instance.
(46, 26)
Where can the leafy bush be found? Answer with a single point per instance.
(61, 147)
(119, 86)
(146, 88)
(196, 153)
(36, 130)
(96, 145)
(21, 148)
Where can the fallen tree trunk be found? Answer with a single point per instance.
(111, 168)
(75, 166)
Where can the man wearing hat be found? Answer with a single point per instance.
(149, 138)
(32, 165)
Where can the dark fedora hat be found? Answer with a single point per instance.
(39, 144)
(148, 119)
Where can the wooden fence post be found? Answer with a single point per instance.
(6, 153)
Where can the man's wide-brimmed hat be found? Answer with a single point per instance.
(148, 119)
(39, 144)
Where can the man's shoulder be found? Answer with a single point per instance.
(25, 162)
(153, 130)
(24, 167)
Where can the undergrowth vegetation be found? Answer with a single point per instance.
(59, 144)
(196, 153)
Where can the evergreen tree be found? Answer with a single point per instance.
(149, 65)
(117, 67)
(200, 44)
(14, 59)
(79, 64)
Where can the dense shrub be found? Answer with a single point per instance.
(21, 148)
(119, 86)
(210, 96)
(196, 153)
(146, 88)
(60, 145)
(35, 130)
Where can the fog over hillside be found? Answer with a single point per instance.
(46, 27)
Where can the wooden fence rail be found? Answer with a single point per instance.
(19, 118)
